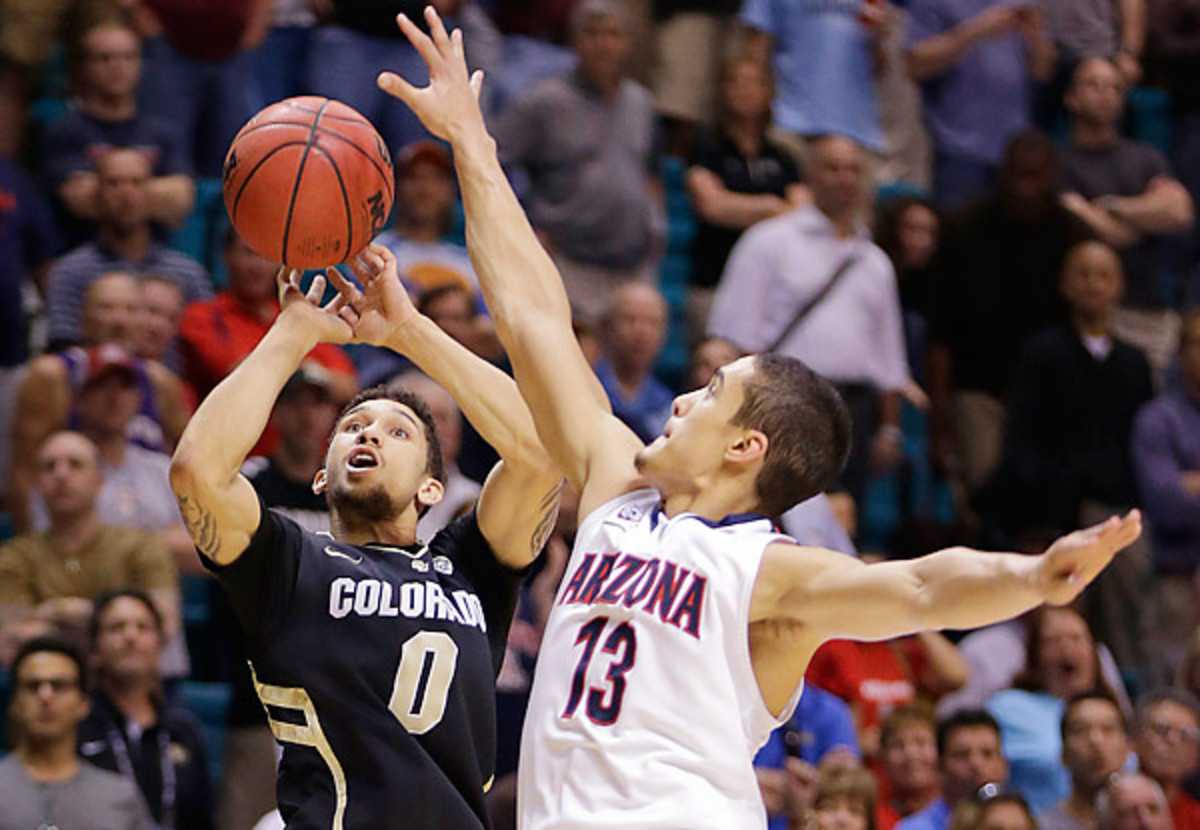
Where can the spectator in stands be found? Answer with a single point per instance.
(844, 799)
(909, 764)
(1095, 746)
(125, 242)
(876, 678)
(1125, 192)
(157, 325)
(825, 61)
(1166, 462)
(48, 395)
(1062, 662)
(136, 492)
(691, 42)
(1066, 448)
(819, 732)
(132, 728)
(460, 491)
(908, 230)
(281, 60)
(1167, 743)
(200, 72)
(457, 312)
(215, 335)
(633, 330)
(969, 757)
(812, 285)
(28, 240)
(44, 783)
(1113, 29)
(359, 40)
(424, 205)
(55, 573)
(736, 176)
(586, 141)
(975, 61)
(993, 809)
(1174, 34)
(994, 284)
(107, 68)
(1132, 802)
(709, 355)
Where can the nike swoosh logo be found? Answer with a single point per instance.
(342, 555)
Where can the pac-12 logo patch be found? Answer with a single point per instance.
(442, 565)
(629, 513)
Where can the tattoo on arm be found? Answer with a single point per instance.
(201, 526)
(548, 509)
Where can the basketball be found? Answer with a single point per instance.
(308, 182)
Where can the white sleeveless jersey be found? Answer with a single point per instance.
(645, 712)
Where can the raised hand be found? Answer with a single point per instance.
(449, 106)
(382, 306)
(329, 323)
(1072, 562)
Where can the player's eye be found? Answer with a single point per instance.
(353, 427)
(400, 432)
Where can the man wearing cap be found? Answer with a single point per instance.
(53, 574)
(216, 335)
(586, 141)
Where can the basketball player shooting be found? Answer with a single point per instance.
(374, 654)
(684, 623)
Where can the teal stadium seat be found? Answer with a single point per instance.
(209, 702)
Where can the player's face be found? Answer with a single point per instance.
(698, 433)
(377, 460)
(47, 699)
(128, 640)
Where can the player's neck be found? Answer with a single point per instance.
(711, 499)
(398, 532)
(50, 761)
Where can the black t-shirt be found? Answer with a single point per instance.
(167, 762)
(771, 171)
(993, 284)
(377, 667)
(378, 17)
(1124, 168)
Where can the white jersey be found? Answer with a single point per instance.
(645, 711)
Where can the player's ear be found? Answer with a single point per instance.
(319, 482)
(430, 492)
(749, 446)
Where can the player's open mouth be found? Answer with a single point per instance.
(361, 459)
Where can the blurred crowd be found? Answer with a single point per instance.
(976, 217)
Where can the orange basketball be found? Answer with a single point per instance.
(308, 182)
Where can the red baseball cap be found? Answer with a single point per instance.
(101, 360)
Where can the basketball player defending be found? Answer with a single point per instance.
(682, 628)
(374, 654)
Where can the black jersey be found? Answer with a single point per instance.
(376, 665)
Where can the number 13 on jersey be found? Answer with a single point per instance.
(603, 703)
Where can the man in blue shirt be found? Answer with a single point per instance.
(969, 755)
(1166, 465)
(633, 330)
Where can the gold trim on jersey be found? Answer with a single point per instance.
(307, 734)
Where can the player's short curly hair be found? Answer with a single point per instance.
(434, 464)
(807, 428)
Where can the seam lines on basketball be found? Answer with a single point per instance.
(312, 137)
(326, 131)
(345, 196)
(331, 116)
(246, 181)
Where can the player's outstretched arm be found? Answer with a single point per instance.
(218, 504)
(520, 283)
(519, 502)
(836, 596)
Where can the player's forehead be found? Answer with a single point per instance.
(382, 409)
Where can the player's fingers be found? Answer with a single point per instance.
(374, 261)
(420, 41)
(360, 269)
(397, 87)
(316, 289)
(456, 48)
(477, 82)
(437, 29)
(344, 287)
(348, 314)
